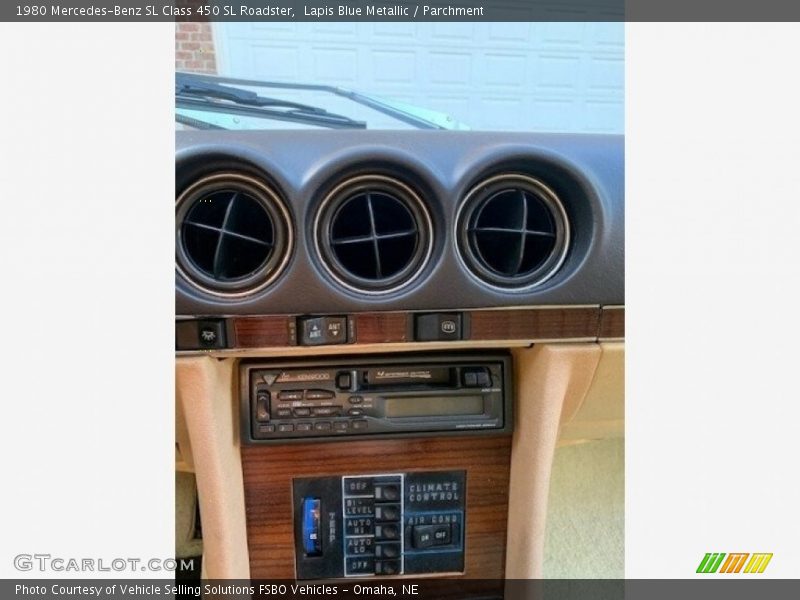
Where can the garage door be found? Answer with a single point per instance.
(503, 76)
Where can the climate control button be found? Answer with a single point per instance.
(387, 512)
(387, 492)
(387, 532)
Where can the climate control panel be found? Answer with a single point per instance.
(380, 524)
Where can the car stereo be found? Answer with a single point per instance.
(371, 397)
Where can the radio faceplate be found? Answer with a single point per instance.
(398, 395)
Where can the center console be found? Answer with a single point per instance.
(377, 466)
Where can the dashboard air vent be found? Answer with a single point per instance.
(233, 234)
(513, 232)
(373, 234)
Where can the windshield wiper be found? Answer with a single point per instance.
(195, 123)
(197, 92)
(421, 118)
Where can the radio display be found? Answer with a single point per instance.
(432, 406)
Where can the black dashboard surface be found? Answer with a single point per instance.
(586, 171)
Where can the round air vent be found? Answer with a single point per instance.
(373, 234)
(233, 234)
(513, 231)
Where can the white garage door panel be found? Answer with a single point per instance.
(529, 76)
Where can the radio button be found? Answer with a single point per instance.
(290, 395)
(340, 425)
(355, 399)
(387, 492)
(319, 394)
(303, 427)
(387, 550)
(262, 410)
(322, 425)
(266, 428)
(326, 411)
(387, 512)
(285, 427)
(360, 424)
(355, 412)
(302, 412)
(283, 413)
(344, 381)
(478, 377)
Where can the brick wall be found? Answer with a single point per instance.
(194, 48)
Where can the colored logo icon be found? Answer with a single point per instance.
(737, 562)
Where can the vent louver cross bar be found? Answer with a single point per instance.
(233, 234)
(514, 232)
(373, 234)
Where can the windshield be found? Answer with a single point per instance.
(215, 102)
(549, 77)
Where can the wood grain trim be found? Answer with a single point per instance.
(261, 332)
(268, 473)
(535, 324)
(526, 324)
(382, 328)
(612, 323)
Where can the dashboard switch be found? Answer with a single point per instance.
(387, 532)
(437, 327)
(208, 334)
(312, 539)
(387, 512)
(387, 567)
(387, 550)
(427, 536)
(387, 492)
(320, 331)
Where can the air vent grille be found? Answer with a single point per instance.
(374, 234)
(233, 234)
(513, 231)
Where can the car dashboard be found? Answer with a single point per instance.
(382, 337)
